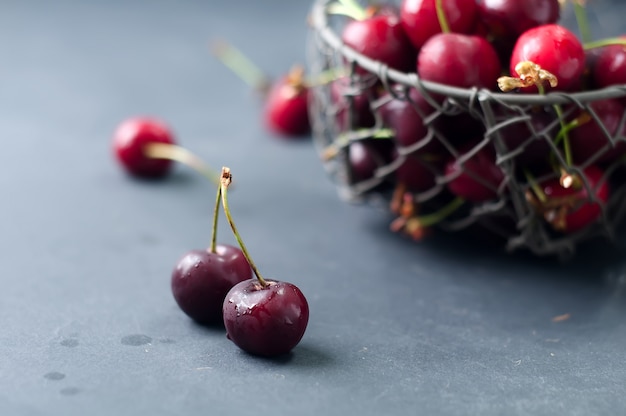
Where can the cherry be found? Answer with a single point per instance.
(573, 208)
(351, 104)
(404, 118)
(609, 66)
(380, 36)
(531, 136)
(420, 19)
(476, 179)
(129, 144)
(285, 109)
(554, 49)
(452, 59)
(589, 138)
(415, 175)
(286, 105)
(511, 18)
(202, 278)
(262, 317)
(145, 147)
(366, 156)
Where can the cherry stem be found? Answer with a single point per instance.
(243, 67)
(182, 155)
(438, 216)
(216, 211)
(567, 149)
(535, 187)
(583, 22)
(349, 8)
(441, 16)
(225, 181)
(604, 42)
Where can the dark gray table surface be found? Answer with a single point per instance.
(88, 323)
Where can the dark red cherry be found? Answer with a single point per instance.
(366, 156)
(381, 38)
(202, 278)
(511, 18)
(556, 50)
(609, 65)
(572, 209)
(286, 106)
(416, 174)
(589, 138)
(351, 104)
(267, 321)
(529, 139)
(420, 22)
(478, 178)
(459, 60)
(129, 142)
(404, 118)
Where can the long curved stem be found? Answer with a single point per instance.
(582, 21)
(182, 155)
(441, 16)
(225, 181)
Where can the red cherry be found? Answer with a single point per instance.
(510, 18)
(572, 208)
(589, 138)
(265, 320)
(420, 22)
(351, 101)
(478, 178)
(609, 66)
(381, 38)
(202, 278)
(129, 142)
(459, 60)
(556, 50)
(366, 156)
(286, 106)
(415, 175)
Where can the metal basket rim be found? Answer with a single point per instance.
(319, 23)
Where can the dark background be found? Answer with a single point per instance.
(88, 323)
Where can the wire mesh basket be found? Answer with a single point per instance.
(504, 146)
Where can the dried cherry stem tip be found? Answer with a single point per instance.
(181, 155)
(529, 74)
(225, 180)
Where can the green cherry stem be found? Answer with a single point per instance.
(182, 155)
(216, 211)
(243, 67)
(532, 182)
(441, 16)
(604, 42)
(440, 215)
(225, 180)
(582, 21)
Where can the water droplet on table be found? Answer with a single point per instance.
(136, 340)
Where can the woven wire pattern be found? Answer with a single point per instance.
(510, 214)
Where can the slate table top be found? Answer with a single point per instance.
(89, 325)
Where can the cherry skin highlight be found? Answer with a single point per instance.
(266, 321)
(201, 280)
(129, 141)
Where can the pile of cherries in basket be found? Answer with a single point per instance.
(561, 153)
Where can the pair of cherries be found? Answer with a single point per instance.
(217, 285)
